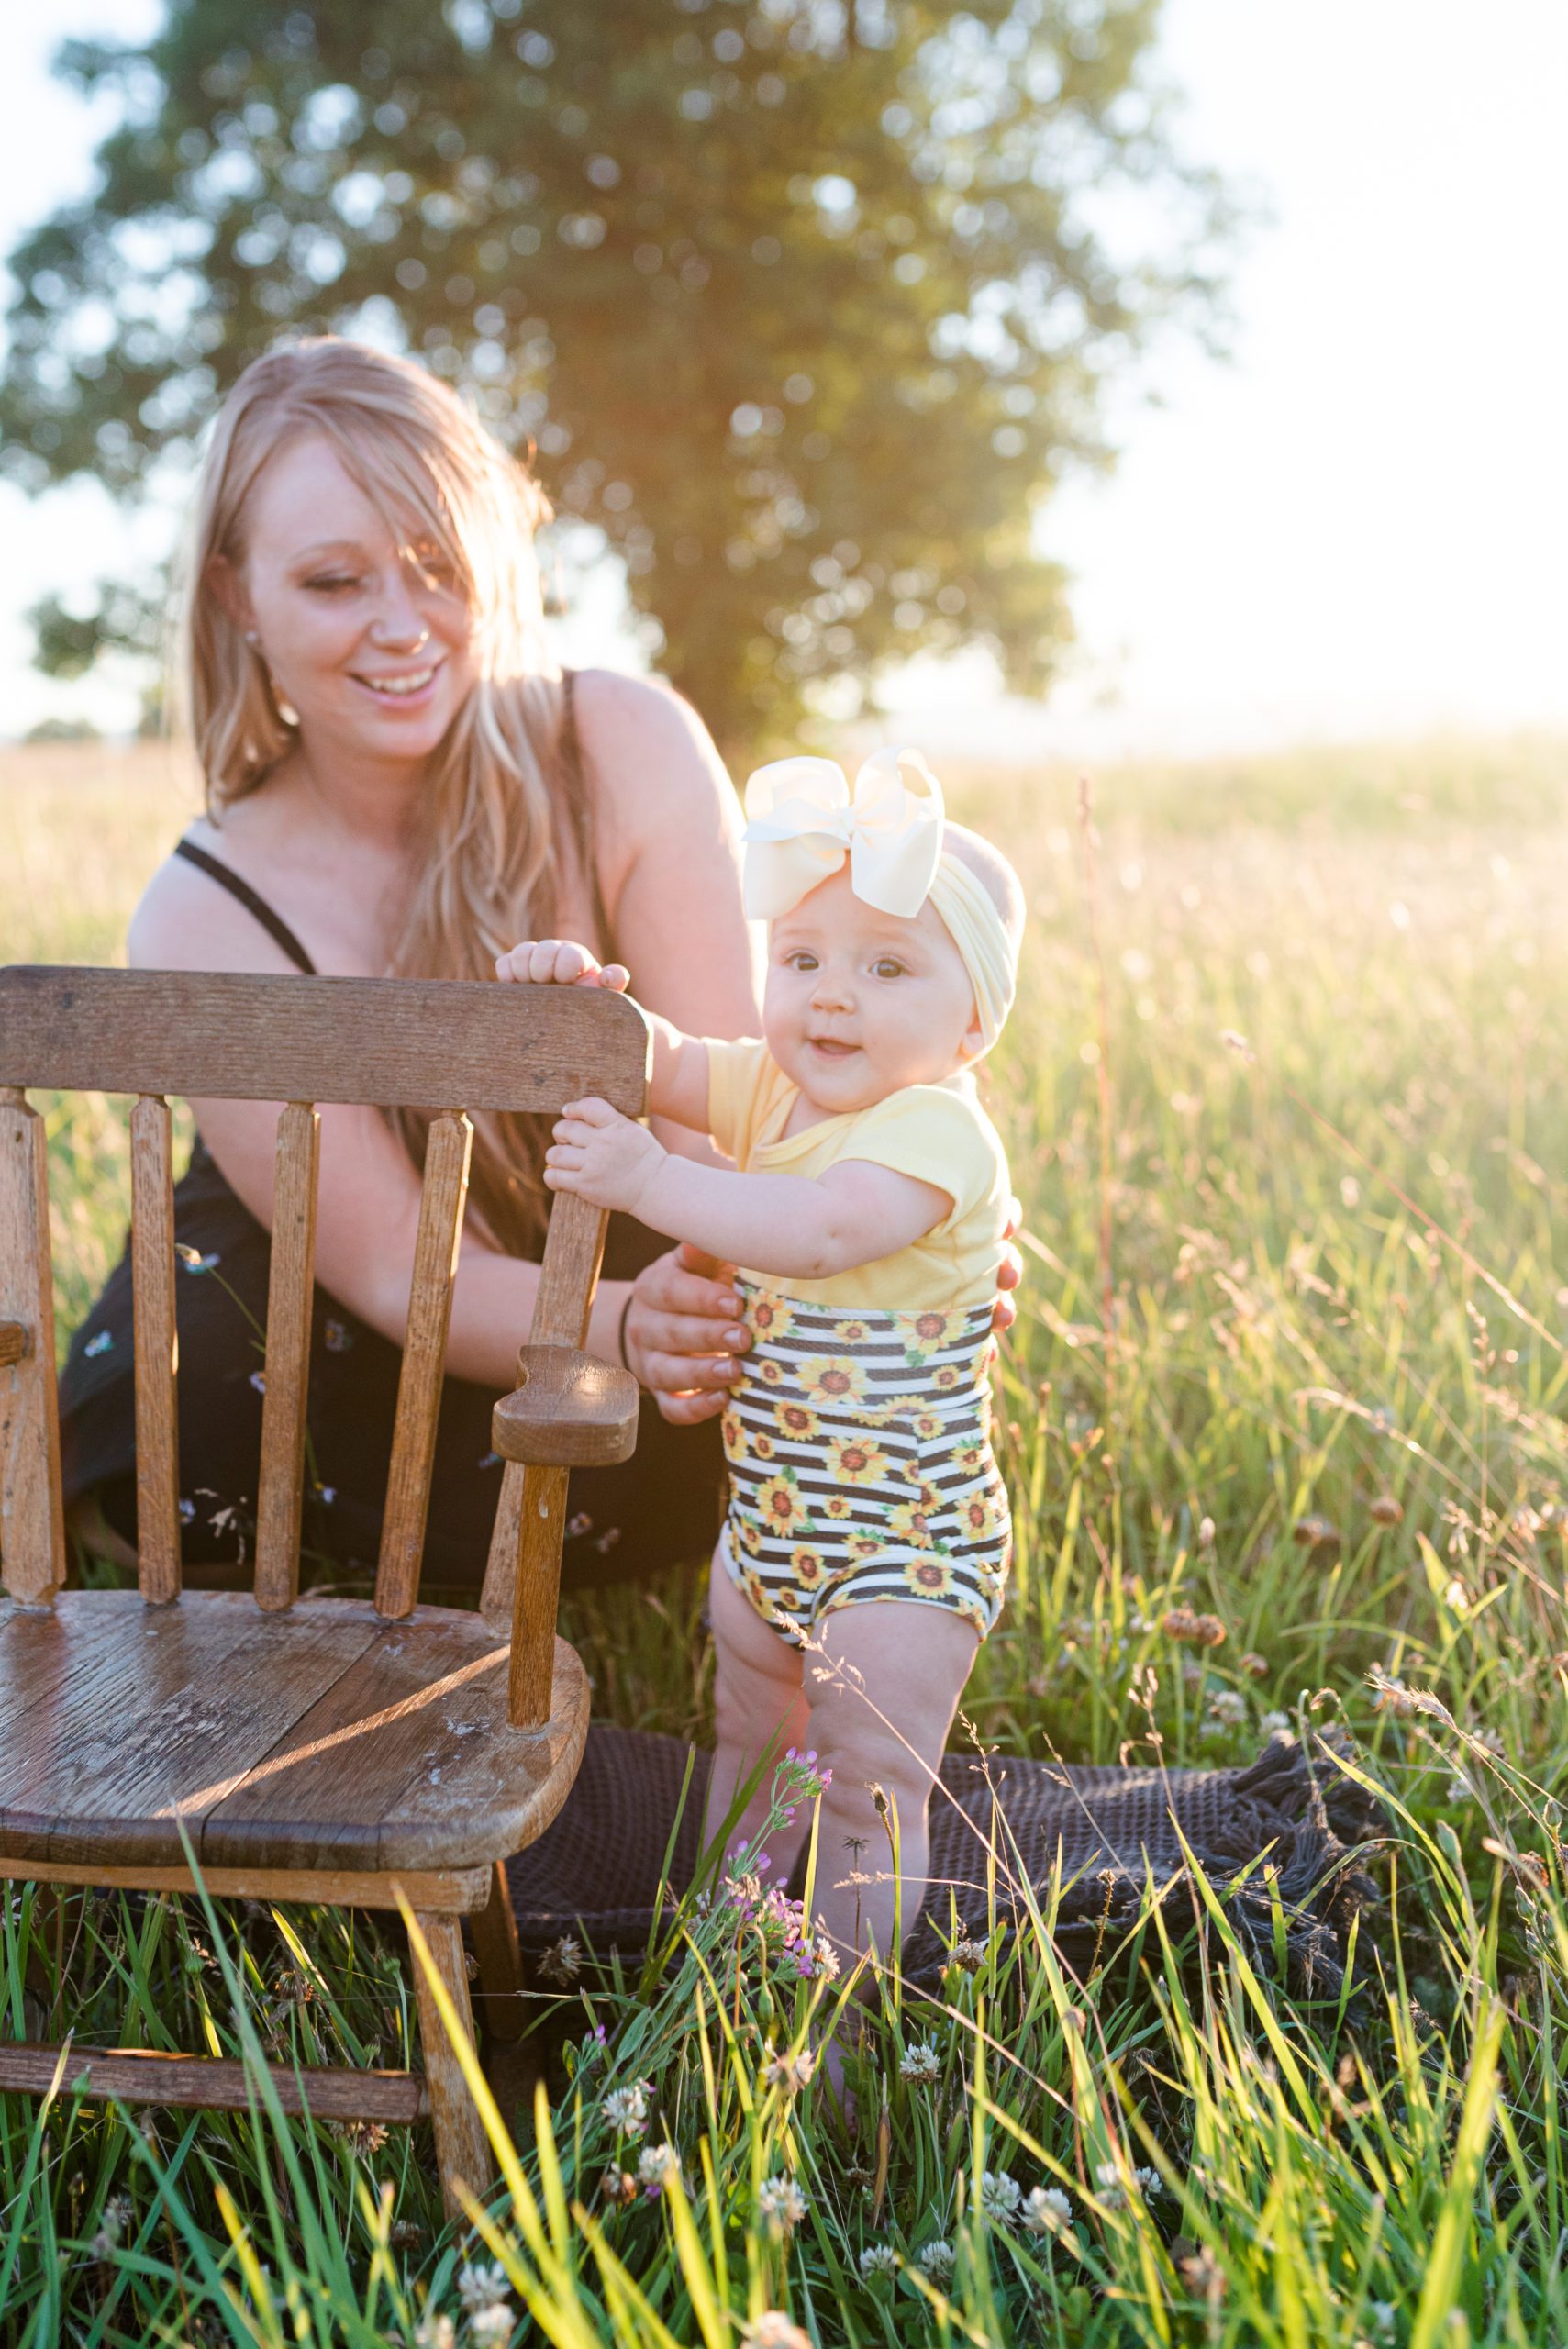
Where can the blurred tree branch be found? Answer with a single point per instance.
(807, 308)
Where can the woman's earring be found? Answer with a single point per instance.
(253, 637)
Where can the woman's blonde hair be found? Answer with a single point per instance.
(502, 827)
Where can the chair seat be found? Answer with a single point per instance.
(322, 1737)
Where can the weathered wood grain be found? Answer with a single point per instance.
(32, 1519)
(16, 1341)
(447, 1155)
(318, 1740)
(568, 1277)
(291, 1287)
(395, 1043)
(574, 1249)
(211, 2083)
(569, 1411)
(408, 1761)
(463, 2150)
(157, 1350)
(463, 1891)
(116, 1718)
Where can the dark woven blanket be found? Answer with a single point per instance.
(1275, 1840)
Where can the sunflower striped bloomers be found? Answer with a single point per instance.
(859, 1462)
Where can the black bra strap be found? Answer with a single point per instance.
(273, 924)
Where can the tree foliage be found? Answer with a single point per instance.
(805, 303)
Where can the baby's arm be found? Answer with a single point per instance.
(677, 1088)
(799, 1227)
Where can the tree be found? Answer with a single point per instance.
(805, 303)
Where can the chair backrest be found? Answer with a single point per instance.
(439, 1045)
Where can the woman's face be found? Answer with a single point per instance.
(371, 643)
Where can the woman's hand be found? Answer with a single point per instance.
(1009, 1273)
(684, 1334)
(560, 962)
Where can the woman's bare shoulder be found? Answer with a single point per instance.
(648, 752)
(188, 921)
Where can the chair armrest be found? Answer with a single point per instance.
(569, 1411)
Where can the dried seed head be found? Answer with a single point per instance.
(1254, 1665)
(1308, 1532)
(1386, 1510)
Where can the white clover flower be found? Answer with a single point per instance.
(657, 2166)
(494, 2324)
(789, 2071)
(1273, 1722)
(435, 2332)
(938, 2259)
(1046, 2209)
(115, 2219)
(481, 2287)
(1382, 2313)
(879, 2259)
(1108, 2186)
(999, 2194)
(626, 2110)
(781, 2201)
(1228, 1707)
(1149, 2180)
(773, 2329)
(920, 2063)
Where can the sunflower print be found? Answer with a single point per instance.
(857, 1460)
(833, 1381)
(781, 1504)
(769, 1314)
(859, 1465)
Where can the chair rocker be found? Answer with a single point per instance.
(335, 1750)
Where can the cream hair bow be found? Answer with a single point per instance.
(804, 820)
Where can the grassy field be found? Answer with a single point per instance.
(1290, 1353)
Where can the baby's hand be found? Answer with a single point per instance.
(604, 1157)
(557, 961)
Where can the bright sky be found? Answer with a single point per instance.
(1355, 527)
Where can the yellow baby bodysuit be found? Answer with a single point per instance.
(936, 1133)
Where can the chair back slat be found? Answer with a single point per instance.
(32, 1517)
(441, 1201)
(395, 1043)
(574, 1250)
(157, 1349)
(387, 1043)
(290, 1288)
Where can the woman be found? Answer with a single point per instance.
(400, 782)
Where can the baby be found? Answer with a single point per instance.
(868, 1213)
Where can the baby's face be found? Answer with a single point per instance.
(860, 1003)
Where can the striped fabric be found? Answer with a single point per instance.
(859, 1462)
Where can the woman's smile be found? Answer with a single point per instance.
(412, 689)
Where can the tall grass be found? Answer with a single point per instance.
(1326, 1404)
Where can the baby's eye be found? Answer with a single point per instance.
(801, 959)
(888, 966)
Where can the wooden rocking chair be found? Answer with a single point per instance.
(336, 1751)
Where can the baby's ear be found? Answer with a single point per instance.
(974, 1043)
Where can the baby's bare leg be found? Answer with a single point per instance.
(882, 1719)
(760, 1710)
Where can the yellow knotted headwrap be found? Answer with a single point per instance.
(804, 821)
